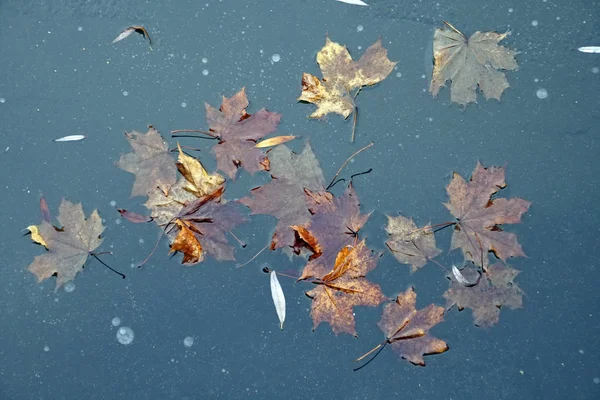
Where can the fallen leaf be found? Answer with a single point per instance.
(67, 248)
(45, 210)
(199, 182)
(409, 244)
(194, 182)
(274, 141)
(137, 29)
(278, 298)
(589, 49)
(71, 138)
(341, 75)
(496, 290)
(479, 216)
(341, 288)
(462, 279)
(334, 223)
(34, 229)
(238, 133)
(469, 63)
(151, 162)
(407, 329)
(354, 2)
(36, 236)
(202, 226)
(134, 217)
(284, 196)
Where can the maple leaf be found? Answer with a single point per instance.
(194, 182)
(407, 329)
(469, 63)
(479, 216)
(150, 161)
(334, 223)
(195, 207)
(408, 244)
(202, 227)
(496, 289)
(69, 247)
(341, 75)
(238, 133)
(197, 180)
(342, 287)
(284, 197)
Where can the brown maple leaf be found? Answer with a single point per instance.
(202, 227)
(341, 75)
(409, 244)
(469, 63)
(284, 197)
(496, 289)
(238, 133)
(194, 182)
(335, 223)
(407, 329)
(342, 287)
(69, 247)
(151, 162)
(197, 180)
(478, 230)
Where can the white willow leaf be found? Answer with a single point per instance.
(70, 138)
(278, 298)
(589, 49)
(354, 2)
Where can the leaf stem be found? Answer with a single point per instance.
(380, 346)
(95, 255)
(253, 258)
(346, 162)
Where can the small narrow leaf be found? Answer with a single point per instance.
(71, 138)
(589, 49)
(278, 298)
(354, 2)
(274, 141)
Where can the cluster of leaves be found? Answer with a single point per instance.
(188, 204)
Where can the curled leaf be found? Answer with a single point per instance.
(460, 278)
(36, 236)
(137, 29)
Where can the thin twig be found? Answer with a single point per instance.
(256, 255)
(212, 135)
(346, 162)
(362, 173)
(238, 240)
(372, 358)
(354, 123)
